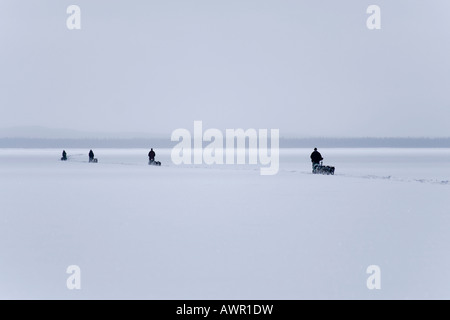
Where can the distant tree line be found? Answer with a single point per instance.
(284, 143)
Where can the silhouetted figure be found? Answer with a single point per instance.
(64, 155)
(316, 157)
(151, 158)
(317, 166)
(91, 156)
(151, 155)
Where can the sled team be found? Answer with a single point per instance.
(316, 160)
(317, 167)
(151, 157)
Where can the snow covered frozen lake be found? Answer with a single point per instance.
(225, 232)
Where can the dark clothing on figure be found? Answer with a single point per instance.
(91, 155)
(316, 157)
(151, 155)
(64, 154)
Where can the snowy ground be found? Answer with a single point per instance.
(225, 232)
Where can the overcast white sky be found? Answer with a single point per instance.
(308, 68)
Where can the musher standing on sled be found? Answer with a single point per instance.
(316, 157)
(91, 156)
(151, 156)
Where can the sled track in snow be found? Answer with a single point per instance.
(368, 177)
(389, 178)
(74, 160)
(113, 163)
(397, 179)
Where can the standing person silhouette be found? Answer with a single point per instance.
(316, 157)
(151, 155)
(91, 156)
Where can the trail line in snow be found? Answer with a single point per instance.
(389, 177)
